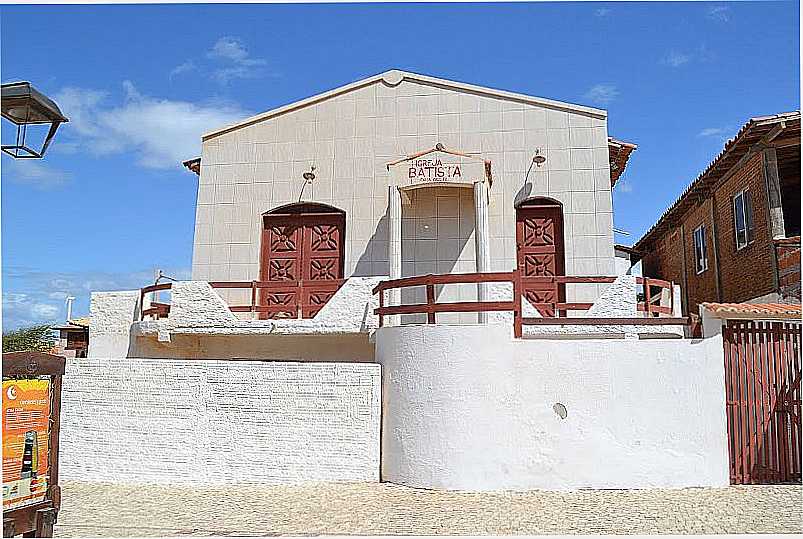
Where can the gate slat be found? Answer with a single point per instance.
(743, 407)
(772, 385)
(793, 414)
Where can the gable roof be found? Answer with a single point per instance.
(756, 130)
(395, 77)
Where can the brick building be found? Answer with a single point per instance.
(734, 233)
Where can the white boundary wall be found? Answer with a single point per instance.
(470, 408)
(203, 421)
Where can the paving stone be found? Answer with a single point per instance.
(114, 510)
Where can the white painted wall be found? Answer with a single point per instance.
(469, 408)
(110, 318)
(196, 421)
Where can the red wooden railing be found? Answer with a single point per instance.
(302, 299)
(520, 283)
(289, 299)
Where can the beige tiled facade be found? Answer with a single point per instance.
(351, 136)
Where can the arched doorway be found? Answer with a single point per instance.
(540, 251)
(302, 248)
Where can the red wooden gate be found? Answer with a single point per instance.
(302, 245)
(762, 388)
(539, 252)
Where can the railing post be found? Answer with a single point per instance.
(647, 297)
(517, 330)
(672, 298)
(430, 301)
(381, 304)
(253, 296)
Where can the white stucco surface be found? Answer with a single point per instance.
(469, 408)
(201, 311)
(174, 421)
(110, 318)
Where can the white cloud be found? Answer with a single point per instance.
(602, 94)
(35, 174)
(35, 297)
(719, 13)
(237, 62)
(712, 131)
(623, 186)
(180, 69)
(676, 58)
(23, 310)
(159, 132)
(227, 60)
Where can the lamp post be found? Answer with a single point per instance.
(24, 105)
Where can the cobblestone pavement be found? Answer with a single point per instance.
(92, 509)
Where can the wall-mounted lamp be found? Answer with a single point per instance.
(538, 159)
(309, 177)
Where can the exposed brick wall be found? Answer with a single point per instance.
(747, 273)
(701, 287)
(664, 259)
(204, 421)
(744, 274)
(788, 254)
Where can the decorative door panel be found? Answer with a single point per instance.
(282, 303)
(306, 251)
(322, 251)
(539, 253)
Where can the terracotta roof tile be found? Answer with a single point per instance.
(772, 310)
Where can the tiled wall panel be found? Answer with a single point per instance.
(351, 138)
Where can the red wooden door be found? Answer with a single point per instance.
(282, 251)
(539, 253)
(305, 251)
(321, 261)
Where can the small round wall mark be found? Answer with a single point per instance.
(560, 410)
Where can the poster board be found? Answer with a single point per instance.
(31, 418)
(26, 431)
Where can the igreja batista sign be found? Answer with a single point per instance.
(438, 167)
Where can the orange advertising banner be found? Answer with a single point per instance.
(26, 418)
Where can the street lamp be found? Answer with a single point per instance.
(24, 105)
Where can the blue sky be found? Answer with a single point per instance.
(111, 202)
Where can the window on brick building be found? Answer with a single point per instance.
(743, 219)
(700, 251)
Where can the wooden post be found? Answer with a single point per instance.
(517, 314)
(45, 518)
(381, 304)
(430, 301)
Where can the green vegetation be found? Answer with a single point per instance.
(33, 338)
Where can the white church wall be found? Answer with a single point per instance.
(469, 408)
(351, 137)
(179, 421)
